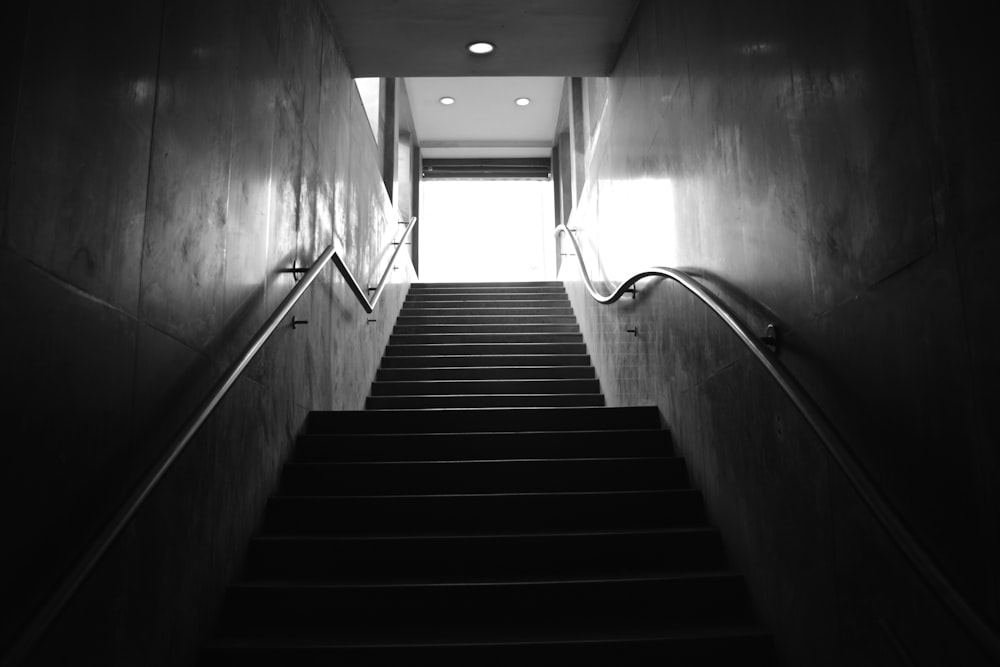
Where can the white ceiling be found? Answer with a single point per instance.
(550, 39)
(484, 121)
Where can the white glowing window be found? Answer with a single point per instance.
(480, 231)
(370, 90)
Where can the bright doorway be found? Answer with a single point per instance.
(486, 230)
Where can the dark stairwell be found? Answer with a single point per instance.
(164, 163)
(487, 509)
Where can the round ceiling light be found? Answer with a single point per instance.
(447, 101)
(522, 101)
(481, 48)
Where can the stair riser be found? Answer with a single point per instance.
(486, 285)
(496, 360)
(464, 321)
(418, 297)
(483, 401)
(494, 386)
(483, 477)
(418, 288)
(687, 651)
(596, 604)
(470, 349)
(505, 304)
(484, 373)
(486, 510)
(481, 558)
(483, 338)
(482, 513)
(510, 420)
(493, 312)
(481, 329)
(481, 446)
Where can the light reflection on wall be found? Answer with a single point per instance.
(626, 225)
(486, 231)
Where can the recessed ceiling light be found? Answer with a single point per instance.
(481, 48)
(522, 101)
(447, 101)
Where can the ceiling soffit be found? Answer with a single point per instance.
(415, 38)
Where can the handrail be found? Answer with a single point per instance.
(369, 306)
(69, 585)
(835, 445)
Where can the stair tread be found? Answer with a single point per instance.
(630, 578)
(489, 368)
(476, 434)
(500, 514)
(471, 445)
(477, 401)
(485, 283)
(513, 347)
(486, 373)
(477, 360)
(607, 431)
(484, 338)
(446, 295)
(555, 393)
(489, 381)
(498, 386)
(519, 494)
(472, 462)
(687, 530)
(506, 638)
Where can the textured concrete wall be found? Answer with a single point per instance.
(827, 167)
(165, 161)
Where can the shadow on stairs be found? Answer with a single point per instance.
(487, 509)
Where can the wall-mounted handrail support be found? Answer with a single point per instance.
(352, 283)
(901, 536)
(69, 585)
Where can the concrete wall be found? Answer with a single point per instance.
(829, 167)
(161, 162)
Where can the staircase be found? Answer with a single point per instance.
(532, 525)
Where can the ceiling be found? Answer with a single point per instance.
(484, 121)
(538, 44)
(404, 38)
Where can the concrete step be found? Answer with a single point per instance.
(483, 513)
(473, 320)
(714, 646)
(484, 361)
(458, 310)
(521, 301)
(479, 349)
(486, 285)
(429, 338)
(482, 328)
(505, 420)
(482, 401)
(479, 556)
(499, 297)
(491, 386)
(581, 605)
(496, 289)
(473, 373)
(318, 448)
(509, 476)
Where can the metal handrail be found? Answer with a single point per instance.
(69, 585)
(369, 306)
(835, 445)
